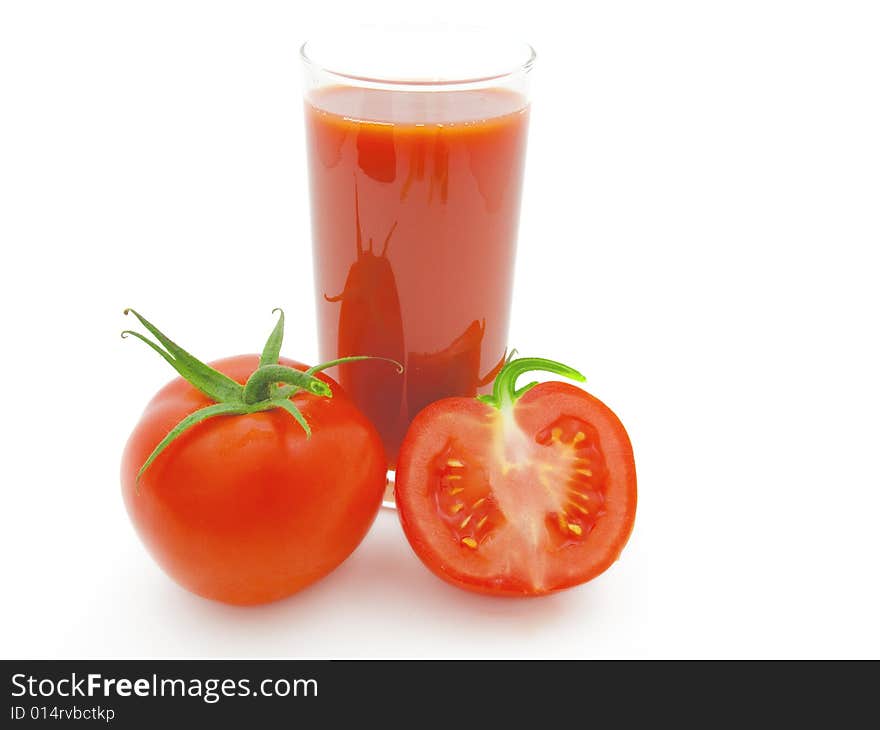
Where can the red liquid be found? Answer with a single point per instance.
(415, 207)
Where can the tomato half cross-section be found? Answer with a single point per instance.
(250, 478)
(519, 493)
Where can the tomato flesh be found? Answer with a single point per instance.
(520, 501)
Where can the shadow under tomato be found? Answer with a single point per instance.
(382, 592)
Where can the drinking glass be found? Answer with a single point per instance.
(416, 145)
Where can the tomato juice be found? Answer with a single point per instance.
(415, 207)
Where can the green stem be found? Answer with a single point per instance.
(263, 378)
(260, 393)
(505, 393)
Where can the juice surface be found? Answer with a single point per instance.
(415, 207)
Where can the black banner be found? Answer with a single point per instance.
(142, 693)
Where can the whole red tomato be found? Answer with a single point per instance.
(250, 507)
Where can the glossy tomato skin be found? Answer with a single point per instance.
(246, 509)
(494, 566)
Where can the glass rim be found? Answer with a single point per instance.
(523, 67)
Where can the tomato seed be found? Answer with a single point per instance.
(579, 508)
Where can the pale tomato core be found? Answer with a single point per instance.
(528, 498)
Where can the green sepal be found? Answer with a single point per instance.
(260, 393)
(272, 349)
(291, 408)
(218, 409)
(209, 381)
(520, 392)
(352, 358)
(168, 358)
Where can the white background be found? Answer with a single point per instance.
(700, 218)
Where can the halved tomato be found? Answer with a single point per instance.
(520, 493)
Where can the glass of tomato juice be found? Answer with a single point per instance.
(416, 144)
